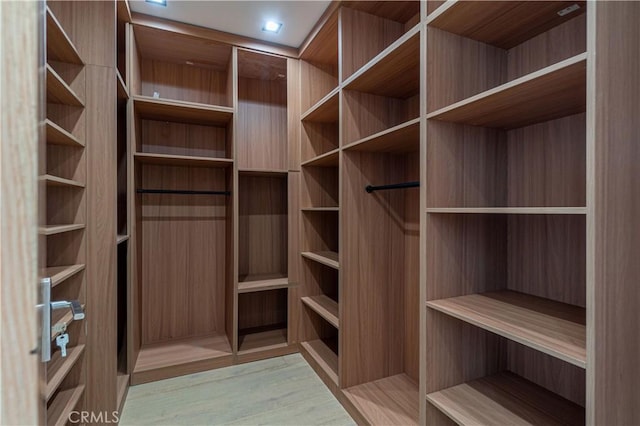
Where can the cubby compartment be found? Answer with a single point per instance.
(262, 112)
(319, 186)
(380, 283)
(483, 378)
(509, 78)
(178, 67)
(163, 136)
(320, 237)
(320, 132)
(519, 276)
(319, 65)
(262, 320)
(184, 260)
(541, 167)
(369, 27)
(263, 231)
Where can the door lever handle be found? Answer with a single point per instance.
(76, 308)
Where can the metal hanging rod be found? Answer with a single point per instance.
(370, 188)
(181, 192)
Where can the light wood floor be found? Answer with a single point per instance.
(277, 391)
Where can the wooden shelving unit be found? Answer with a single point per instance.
(63, 404)
(181, 111)
(269, 340)
(251, 283)
(182, 160)
(505, 398)
(56, 135)
(327, 258)
(59, 92)
(59, 368)
(397, 139)
(59, 45)
(60, 273)
(328, 159)
(59, 229)
(324, 306)
(61, 182)
(509, 210)
(324, 357)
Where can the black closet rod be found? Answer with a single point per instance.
(370, 188)
(181, 192)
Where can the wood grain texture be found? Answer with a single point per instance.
(504, 25)
(554, 328)
(59, 367)
(59, 45)
(293, 114)
(399, 11)
(552, 92)
(63, 404)
(294, 262)
(323, 48)
(324, 306)
(505, 398)
(262, 124)
(327, 159)
(319, 187)
(364, 36)
(392, 400)
(59, 92)
(261, 65)
(266, 340)
(182, 112)
(376, 228)
(261, 311)
(401, 138)
(323, 356)
(613, 198)
(317, 81)
(56, 135)
(195, 227)
(22, 145)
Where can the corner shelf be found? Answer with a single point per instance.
(328, 159)
(392, 400)
(60, 273)
(327, 258)
(56, 135)
(59, 229)
(326, 359)
(324, 306)
(501, 24)
(63, 404)
(394, 72)
(326, 110)
(553, 92)
(554, 328)
(505, 398)
(509, 210)
(59, 92)
(404, 137)
(51, 180)
(253, 283)
(181, 111)
(59, 367)
(59, 45)
(181, 160)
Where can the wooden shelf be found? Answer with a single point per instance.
(262, 341)
(404, 137)
(509, 210)
(181, 111)
(555, 328)
(327, 258)
(501, 24)
(59, 92)
(56, 135)
(326, 359)
(182, 160)
(263, 172)
(60, 273)
(393, 400)
(505, 399)
(58, 181)
(59, 45)
(59, 367)
(320, 209)
(326, 110)
(63, 404)
(552, 92)
(252, 283)
(168, 359)
(395, 72)
(328, 159)
(324, 306)
(123, 90)
(59, 229)
(121, 238)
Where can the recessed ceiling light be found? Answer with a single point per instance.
(272, 26)
(158, 2)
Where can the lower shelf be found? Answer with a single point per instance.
(59, 367)
(123, 386)
(390, 401)
(179, 357)
(324, 357)
(261, 341)
(505, 399)
(63, 404)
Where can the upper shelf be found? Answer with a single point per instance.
(59, 45)
(180, 111)
(505, 399)
(59, 92)
(323, 48)
(328, 159)
(552, 92)
(327, 258)
(60, 273)
(404, 137)
(555, 328)
(181, 160)
(326, 110)
(51, 180)
(500, 23)
(324, 306)
(56, 135)
(395, 72)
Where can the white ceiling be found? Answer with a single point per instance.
(243, 17)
